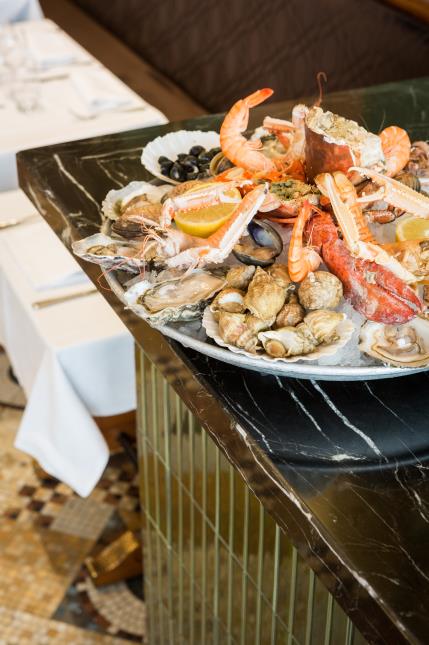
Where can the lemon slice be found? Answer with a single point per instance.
(202, 222)
(412, 228)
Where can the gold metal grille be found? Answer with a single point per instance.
(218, 569)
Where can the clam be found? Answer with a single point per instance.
(399, 345)
(264, 297)
(131, 196)
(170, 300)
(264, 245)
(229, 299)
(219, 164)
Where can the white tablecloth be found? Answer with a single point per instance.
(74, 360)
(15, 10)
(66, 111)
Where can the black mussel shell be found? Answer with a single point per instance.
(264, 237)
(181, 156)
(162, 159)
(410, 180)
(177, 172)
(165, 167)
(196, 150)
(204, 157)
(192, 174)
(190, 166)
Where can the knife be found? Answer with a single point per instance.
(56, 300)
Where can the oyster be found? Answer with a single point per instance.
(264, 245)
(113, 254)
(234, 330)
(173, 299)
(264, 297)
(290, 314)
(399, 345)
(320, 290)
(229, 299)
(133, 194)
(240, 276)
(317, 327)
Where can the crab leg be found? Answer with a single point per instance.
(216, 193)
(396, 193)
(349, 219)
(219, 245)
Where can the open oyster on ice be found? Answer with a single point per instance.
(399, 345)
(132, 199)
(171, 300)
(111, 253)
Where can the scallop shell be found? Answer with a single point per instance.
(202, 286)
(119, 260)
(374, 343)
(116, 200)
(345, 330)
(171, 144)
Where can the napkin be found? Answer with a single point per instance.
(99, 91)
(52, 48)
(44, 260)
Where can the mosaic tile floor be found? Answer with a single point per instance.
(46, 532)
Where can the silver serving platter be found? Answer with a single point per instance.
(191, 334)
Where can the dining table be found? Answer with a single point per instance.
(276, 509)
(52, 90)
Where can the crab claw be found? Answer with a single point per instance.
(372, 289)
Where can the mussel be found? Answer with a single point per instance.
(264, 245)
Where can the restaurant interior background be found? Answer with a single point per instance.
(71, 567)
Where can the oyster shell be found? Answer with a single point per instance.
(116, 201)
(229, 299)
(264, 297)
(173, 299)
(399, 345)
(240, 276)
(320, 290)
(113, 254)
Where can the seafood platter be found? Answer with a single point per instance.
(300, 249)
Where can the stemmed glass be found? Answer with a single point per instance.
(19, 68)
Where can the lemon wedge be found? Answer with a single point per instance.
(412, 228)
(204, 221)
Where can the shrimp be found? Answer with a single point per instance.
(396, 146)
(301, 260)
(235, 146)
(291, 134)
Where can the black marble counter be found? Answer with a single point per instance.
(343, 467)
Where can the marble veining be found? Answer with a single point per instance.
(342, 466)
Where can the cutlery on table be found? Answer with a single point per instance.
(9, 223)
(55, 300)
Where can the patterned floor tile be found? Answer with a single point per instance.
(46, 531)
(37, 566)
(21, 628)
(82, 517)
